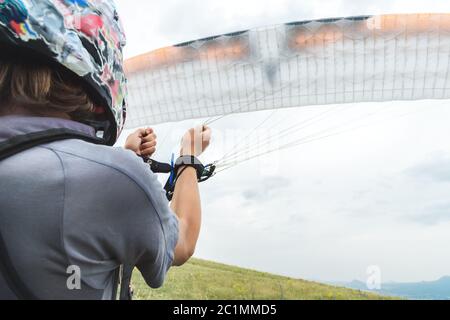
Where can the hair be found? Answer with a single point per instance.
(41, 88)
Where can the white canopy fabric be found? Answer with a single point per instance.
(330, 61)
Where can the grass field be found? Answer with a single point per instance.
(200, 279)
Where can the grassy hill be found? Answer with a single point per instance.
(200, 279)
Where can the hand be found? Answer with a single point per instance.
(195, 141)
(142, 142)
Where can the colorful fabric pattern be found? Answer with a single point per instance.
(85, 36)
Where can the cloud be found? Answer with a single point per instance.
(436, 168)
(432, 215)
(266, 188)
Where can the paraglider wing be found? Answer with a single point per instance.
(331, 61)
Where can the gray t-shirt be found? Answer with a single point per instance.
(73, 204)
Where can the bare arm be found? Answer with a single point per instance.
(186, 205)
(186, 198)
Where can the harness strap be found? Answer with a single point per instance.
(23, 142)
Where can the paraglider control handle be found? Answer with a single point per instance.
(158, 167)
(204, 172)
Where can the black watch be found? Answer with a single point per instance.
(190, 161)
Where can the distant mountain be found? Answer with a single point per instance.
(425, 290)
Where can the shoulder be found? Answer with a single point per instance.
(119, 170)
(113, 158)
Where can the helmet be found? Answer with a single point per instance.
(84, 36)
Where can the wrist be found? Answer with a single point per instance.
(186, 168)
(190, 161)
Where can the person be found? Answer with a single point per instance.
(73, 213)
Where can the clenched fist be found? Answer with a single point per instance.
(195, 141)
(142, 142)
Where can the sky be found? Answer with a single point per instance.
(376, 195)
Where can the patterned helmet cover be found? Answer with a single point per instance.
(85, 36)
